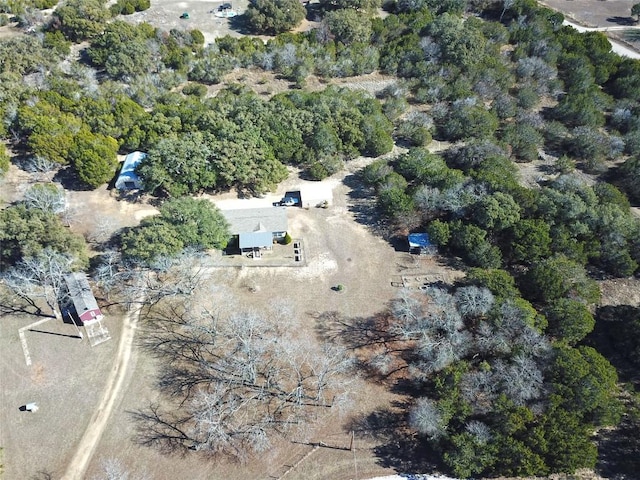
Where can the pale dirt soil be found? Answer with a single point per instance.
(598, 13)
(67, 378)
(620, 291)
(165, 14)
(339, 250)
(268, 84)
(593, 13)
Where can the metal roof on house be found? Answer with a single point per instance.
(255, 240)
(80, 293)
(250, 220)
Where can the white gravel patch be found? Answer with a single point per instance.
(321, 265)
(312, 194)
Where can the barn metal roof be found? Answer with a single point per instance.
(80, 293)
(128, 171)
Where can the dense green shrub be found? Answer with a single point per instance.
(195, 89)
(274, 16)
(182, 223)
(26, 231)
(4, 160)
(128, 7)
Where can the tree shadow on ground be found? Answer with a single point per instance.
(43, 475)
(70, 181)
(619, 449)
(315, 12)
(618, 20)
(15, 305)
(399, 448)
(22, 309)
(381, 356)
(239, 24)
(617, 337)
(354, 333)
(160, 430)
(631, 35)
(362, 204)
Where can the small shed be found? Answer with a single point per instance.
(420, 243)
(82, 298)
(128, 178)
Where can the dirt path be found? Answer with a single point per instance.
(84, 451)
(616, 46)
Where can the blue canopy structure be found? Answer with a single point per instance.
(128, 178)
(419, 240)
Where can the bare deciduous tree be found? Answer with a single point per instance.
(103, 228)
(240, 379)
(44, 168)
(40, 276)
(408, 310)
(49, 197)
(480, 431)
(115, 469)
(479, 389)
(168, 277)
(473, 301)
(427, 418)
(521, 379)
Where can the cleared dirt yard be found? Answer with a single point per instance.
(594, 13)
(65, 380)
(68, 377)
(339, 249)
(166, 14)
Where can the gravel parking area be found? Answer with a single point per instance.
(594, 13)
(166, 14)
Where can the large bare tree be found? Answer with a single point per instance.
(40, 276)
(237, 381)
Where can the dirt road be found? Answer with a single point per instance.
(616, 47)
(84, 451)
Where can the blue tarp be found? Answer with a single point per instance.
(419, 240)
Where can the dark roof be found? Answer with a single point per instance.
(250, 220)
(419, 240)
(80, 293)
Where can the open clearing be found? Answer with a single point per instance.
(68, 378)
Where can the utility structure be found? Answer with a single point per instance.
(128, 178)
(85, 308)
